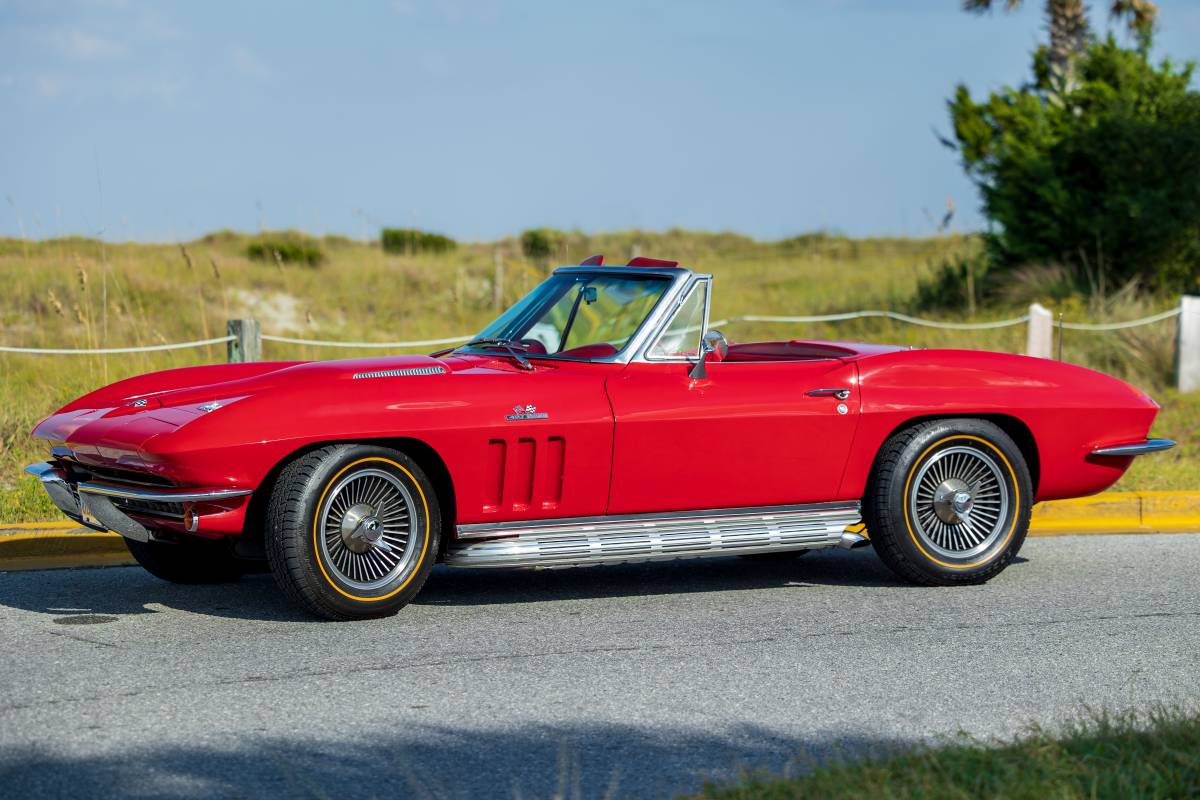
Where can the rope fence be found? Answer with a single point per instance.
(244, 340)
(393, 345)
(107, 351)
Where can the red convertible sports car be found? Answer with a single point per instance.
(598, 420)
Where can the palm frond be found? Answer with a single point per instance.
(1139, 15)
(984, 6)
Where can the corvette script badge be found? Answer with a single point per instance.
(526, 412)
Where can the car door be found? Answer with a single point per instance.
(749, 433)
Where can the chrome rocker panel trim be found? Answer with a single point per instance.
(1137, 449)
(647, 537)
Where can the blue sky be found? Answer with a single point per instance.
(163, 120)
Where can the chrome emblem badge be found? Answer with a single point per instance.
(139, 403)
(207, 407)
(526, 412)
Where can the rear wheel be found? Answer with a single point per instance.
(352, 531)
(188, 560)
(949, 502)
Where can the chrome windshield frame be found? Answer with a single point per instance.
(680, 280)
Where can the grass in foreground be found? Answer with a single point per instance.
(1124, 756)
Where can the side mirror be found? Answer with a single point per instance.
(713, 347)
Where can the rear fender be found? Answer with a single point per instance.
(1062, 412)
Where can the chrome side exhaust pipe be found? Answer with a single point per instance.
(852, 541)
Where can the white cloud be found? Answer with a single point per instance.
(82, 45)
(48, 86)
(248, 65)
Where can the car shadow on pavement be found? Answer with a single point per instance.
(820, 568)
(571, 760)
(72, 594)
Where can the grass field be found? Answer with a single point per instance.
(83, 293)
(1105, 757)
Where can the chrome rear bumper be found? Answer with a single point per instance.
(1135, 449)
(91, 503)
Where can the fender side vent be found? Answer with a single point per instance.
(400, 373)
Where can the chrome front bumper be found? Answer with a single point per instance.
(91, 503)
(1135, 449)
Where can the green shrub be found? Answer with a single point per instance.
(410, 241)
(542, 244)
(957, 283)
(286, 247)
(1102, 178)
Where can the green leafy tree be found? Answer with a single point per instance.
(1102, 178)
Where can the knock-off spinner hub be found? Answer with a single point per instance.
(361, 529)
(952, 500)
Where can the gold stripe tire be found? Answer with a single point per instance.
(352, 531)
(948, 502)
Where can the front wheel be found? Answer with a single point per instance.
(352, 531)
(949, 502)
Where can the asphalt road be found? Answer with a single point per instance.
(639, 680)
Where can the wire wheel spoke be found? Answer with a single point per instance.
(959, 503)
(365, 525)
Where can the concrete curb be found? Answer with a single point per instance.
(31, 546)
(1119, 512)
(58, 545)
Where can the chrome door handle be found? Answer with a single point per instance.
(840, 394)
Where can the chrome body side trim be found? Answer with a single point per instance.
(1136, 449)
(163, 495)
(646, 537)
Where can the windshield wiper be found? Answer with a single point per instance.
(507, 344)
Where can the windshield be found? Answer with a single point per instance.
(579, 315)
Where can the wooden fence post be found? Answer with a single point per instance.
(1187, 345)
(1041, 332)
(246, 344)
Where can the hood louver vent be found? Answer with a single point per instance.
(400, 373)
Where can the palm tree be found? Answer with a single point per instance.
(1067, 23)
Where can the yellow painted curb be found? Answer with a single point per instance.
(37, 526)
(1118, 512)
(72, 546)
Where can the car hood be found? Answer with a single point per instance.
(109, 424)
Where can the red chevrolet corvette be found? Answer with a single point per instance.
(598, 420)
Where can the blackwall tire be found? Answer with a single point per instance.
(188, 561)
(352, 531)
(949, 502)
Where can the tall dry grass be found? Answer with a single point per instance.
(83, 293)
